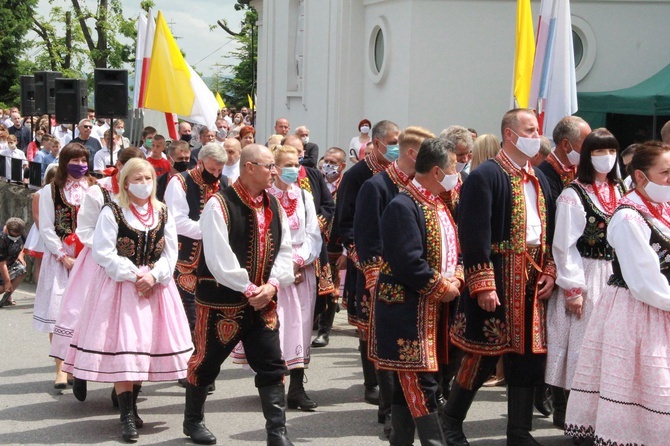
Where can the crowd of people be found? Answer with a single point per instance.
(462, 260)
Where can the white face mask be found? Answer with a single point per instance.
(141, 190)
(449, 181)
(573, 156)
(603, 163)
(528, 146)
(657, 192)
(305, 140)
(460, 167)
(365, 129)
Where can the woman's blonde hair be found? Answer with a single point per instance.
(485, 147)
(132, 166)
(279, 151)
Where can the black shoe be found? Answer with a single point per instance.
(560, 401)
(128, 428)
(136, 391)
(458, 405)
(79, 389)
(211, 388)
(542, 399)
(273, 401)
(372, 395)
(182, 382)
(194, 414)
(321, 340)
(300, 400)
(60, 386)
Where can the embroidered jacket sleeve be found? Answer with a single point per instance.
(104, 251)
(175, 199)
(367, 229)
(346, 205)
(549, 266)
(570, 224)
(474, 229)
(402, 221)
(88, 214)
(47, 216)
(629, 235)
(310, 249)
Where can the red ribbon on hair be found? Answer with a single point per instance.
(111, 172)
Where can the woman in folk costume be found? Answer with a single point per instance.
(132, 327)
(583, 259)
(85, 266)
(58, 208)
(621, 388)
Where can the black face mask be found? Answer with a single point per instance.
(186, 138)
(180, 166)
(208, 178)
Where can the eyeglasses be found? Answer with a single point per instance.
(87, 126)
(268, 166)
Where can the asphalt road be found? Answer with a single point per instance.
(33, 412)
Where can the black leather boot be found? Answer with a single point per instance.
(273, 401)
(520, 416)
(369, 376)
(136, 391)
(458, 404)
(297, 397)
(403, 426)
(79, 389)
(325, 325)
(560, 400)
(542, 399)
(194, 414)
(386, 380)
(128, 428)
(115, 399)
(430, 430)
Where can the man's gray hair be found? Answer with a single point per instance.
(458, 135)
(381, 128)
(567, 128)
(213, 151)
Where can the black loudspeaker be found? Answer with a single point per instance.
(111, 93)
(27, 95)
(71, 100)
(45, 92)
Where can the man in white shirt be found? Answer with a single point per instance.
(232, 167)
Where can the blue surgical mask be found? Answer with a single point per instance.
(289, 175)
(392, 152)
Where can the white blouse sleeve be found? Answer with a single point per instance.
(221, 260)
(164, 268)
(87, 218)
(310, 249)
(118, 268)
(282, 270)
(175, 199)
(99, 161)
(629, 236)
(570, 224)
(51, 240)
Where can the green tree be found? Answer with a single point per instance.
(243, 82)
(15, 21)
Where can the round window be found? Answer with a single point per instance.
(379, 50)
(578, 48)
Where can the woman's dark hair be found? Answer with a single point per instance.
(645, 156)
(598, 139)
(69, 152)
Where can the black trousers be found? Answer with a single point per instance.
(187, 295)
(417, 391)
(217, 331)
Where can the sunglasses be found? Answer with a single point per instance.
(87, 126)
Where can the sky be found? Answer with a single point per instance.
(189, 21)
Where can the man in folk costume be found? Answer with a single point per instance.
(247, 256)
(418, 278)
(560, 167)
(335, 161)
(375, 194)
(505, 223)
(185, 197)
(311, 180)
(384, 151)
(462, 139)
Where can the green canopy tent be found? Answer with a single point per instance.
(648, 98)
